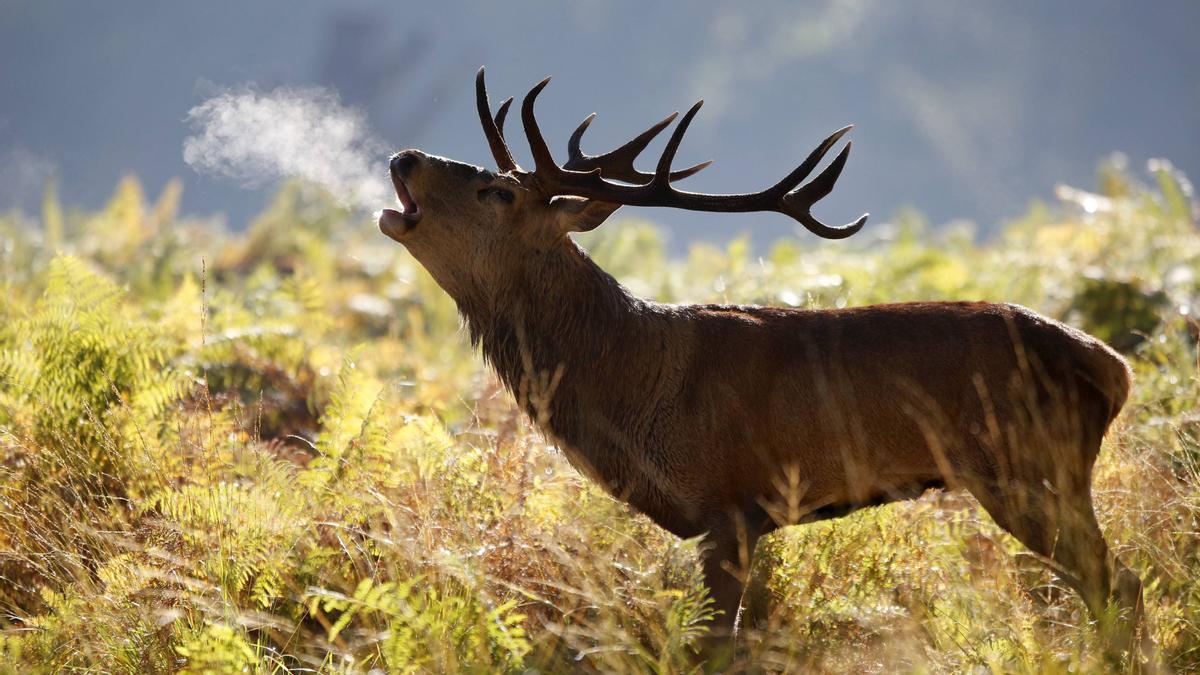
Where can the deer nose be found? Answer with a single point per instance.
(404, 162)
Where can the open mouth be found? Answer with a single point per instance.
(399, 222)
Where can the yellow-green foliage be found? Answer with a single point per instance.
(428, 630)
(274, 451)
(78, 359)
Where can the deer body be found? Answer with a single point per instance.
(686, 412)
(732, 421)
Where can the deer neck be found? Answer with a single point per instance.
(587, 361)
(552, 327)
(555, 334)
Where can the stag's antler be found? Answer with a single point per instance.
(615, 164)
(618, 163)
(586, 176)
(493, 128)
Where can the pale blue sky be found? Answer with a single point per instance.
(964, 110)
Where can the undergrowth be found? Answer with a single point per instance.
(273, 451)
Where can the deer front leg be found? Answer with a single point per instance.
(718, 554)
(724, 587)
(727, 554)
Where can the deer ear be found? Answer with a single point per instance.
(576, 214)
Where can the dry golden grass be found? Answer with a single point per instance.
(274, 451)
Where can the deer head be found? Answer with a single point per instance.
(471, 228)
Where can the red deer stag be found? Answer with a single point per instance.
(732, 421)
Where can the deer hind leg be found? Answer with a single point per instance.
(1067, 534)
(1063, 529)
(1042, 496)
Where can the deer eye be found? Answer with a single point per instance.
(500, 193)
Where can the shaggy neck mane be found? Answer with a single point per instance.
(543, 332)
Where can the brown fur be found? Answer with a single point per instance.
(731, 421)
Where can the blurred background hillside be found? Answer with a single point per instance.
(966, 111)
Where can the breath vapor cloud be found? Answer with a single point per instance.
(257, 137)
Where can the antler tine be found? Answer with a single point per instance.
(495, 139)
(618, 164)
(546, 170)
(574, 154)
(826, 232)
(814, 158)
(501, 114)
(662, 173)
(798, 202)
